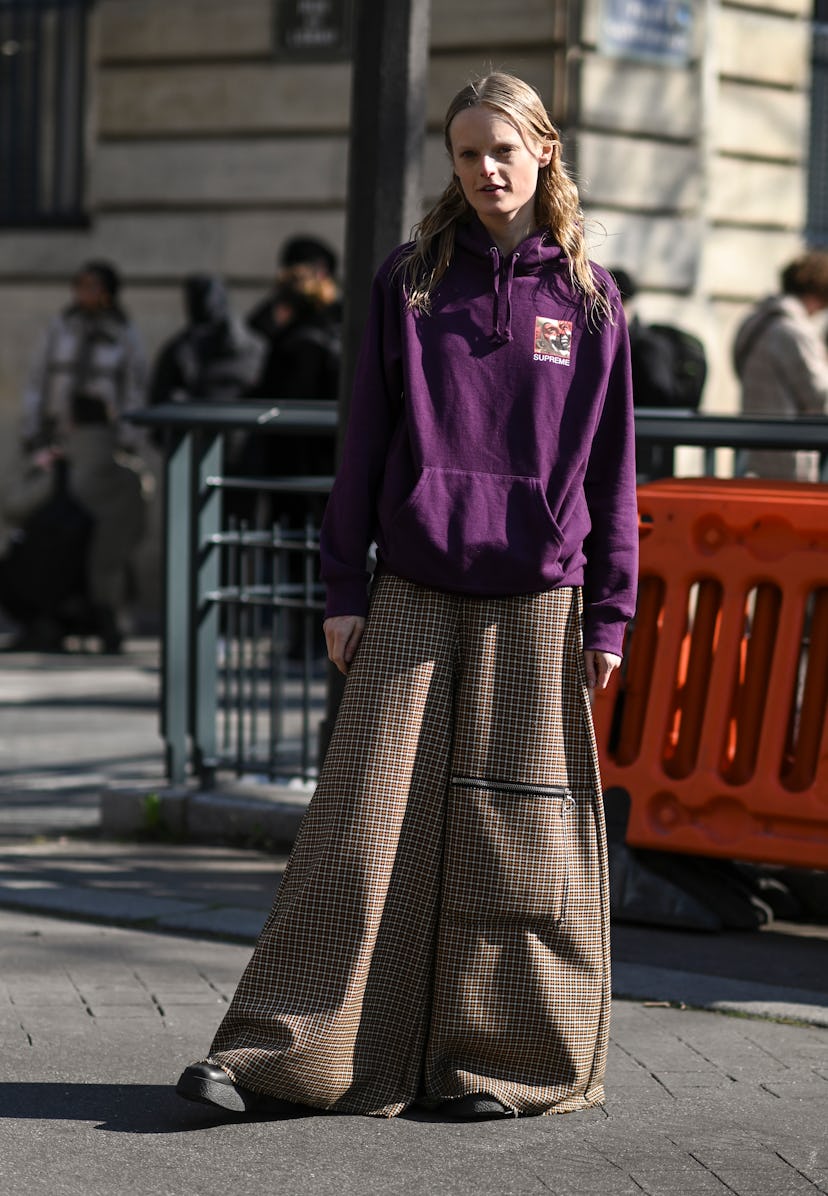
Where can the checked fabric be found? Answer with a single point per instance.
(442, 925)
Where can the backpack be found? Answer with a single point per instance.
(669, 366)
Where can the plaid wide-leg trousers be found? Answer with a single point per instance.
(442, 927)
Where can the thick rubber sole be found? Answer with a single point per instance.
(479, 1106)
(213, 1092)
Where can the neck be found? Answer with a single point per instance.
(508, 236)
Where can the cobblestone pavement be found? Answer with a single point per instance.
(97, 1022)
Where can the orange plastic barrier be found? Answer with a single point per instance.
(716, 724)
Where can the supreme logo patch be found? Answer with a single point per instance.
(553, 340)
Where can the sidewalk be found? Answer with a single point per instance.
(117, 958)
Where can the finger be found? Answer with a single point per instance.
(606, 667)
(352, 643)
(340, 658)
(590, 667)
(333, 640)
(330, 642)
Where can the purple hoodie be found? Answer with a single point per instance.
(490, 448)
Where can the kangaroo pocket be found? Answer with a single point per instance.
(508, 848)
(486, 532)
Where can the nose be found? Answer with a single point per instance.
(487, 166)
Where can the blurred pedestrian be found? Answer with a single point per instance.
(215, 357)
(309, 264)
(441, 931)
(669, 370)
(781, 361)
(91, 347)
(302, 362)
(77, 514)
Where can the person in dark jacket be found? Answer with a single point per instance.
(652, 369)
(310, 265)
(301, 321)
(215, 357)
(662, 376)
(441, 931)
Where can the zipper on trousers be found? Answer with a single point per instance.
(518, 787)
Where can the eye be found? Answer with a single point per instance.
(466, 153)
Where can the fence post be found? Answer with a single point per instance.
(175, 659)
(205, 557)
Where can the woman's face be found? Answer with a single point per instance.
(496, 168)
(90, 293)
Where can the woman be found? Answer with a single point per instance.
(441, 932)
(93, 348)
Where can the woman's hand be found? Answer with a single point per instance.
(599, 668)
(342, 635)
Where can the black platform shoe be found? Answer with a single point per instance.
(210, 1085)
(479, 1106)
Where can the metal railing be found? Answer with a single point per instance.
(243, 673)
(669, 429)
(244, 679)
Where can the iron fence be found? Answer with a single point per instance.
(244, 677)
(245, 685)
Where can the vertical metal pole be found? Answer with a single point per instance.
(385, 157)
(567, 90)
(176, 662)
(308, 558)
(241, 645)
(276, 658)
(707, 139)
(206, 573)
(388, 119)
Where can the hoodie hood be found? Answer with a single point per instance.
(535, 254)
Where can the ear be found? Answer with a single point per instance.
(546, 152)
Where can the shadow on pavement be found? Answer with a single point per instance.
(124, 1108)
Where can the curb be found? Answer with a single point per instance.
(698, 990)
(238, 813)
(631, 982)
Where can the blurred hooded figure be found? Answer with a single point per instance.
(214, 357)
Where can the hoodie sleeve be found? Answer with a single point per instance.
(350, 516)
(611, 548)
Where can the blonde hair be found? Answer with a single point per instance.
(557, 207)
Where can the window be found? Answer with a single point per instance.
(42, 103)
(818, 165)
